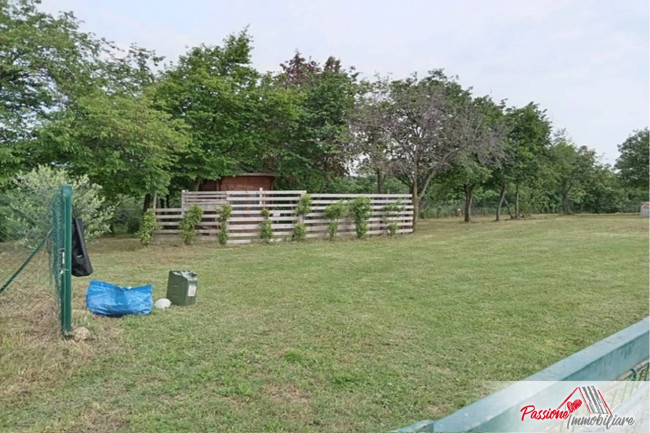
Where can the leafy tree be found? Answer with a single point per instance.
(216, 92)
(316, 150)
(527, 142)
(604, 194)
(430, 122)
(70, 98)
(43, 59)
(572, 170)
(119, 141)
(26, 206)
(369, 133)
(481, 133)
(634, 160)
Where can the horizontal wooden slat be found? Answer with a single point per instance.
(381, 201)
(249, 206)
(264, 191)
(372, 207)
(319, 195)
(264, 199)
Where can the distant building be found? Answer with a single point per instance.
(241, 182)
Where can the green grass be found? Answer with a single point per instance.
(349, 336)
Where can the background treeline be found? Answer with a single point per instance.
(135, 130)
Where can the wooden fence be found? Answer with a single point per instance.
(247, 206)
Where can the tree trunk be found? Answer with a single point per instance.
(509, 209)
(415, 199)
(197, 183)
(517, 201)
(469, 196)
(147, 203)
(380, 181)
(566, 209)
(502, 197)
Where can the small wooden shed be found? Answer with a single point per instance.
(241, 182)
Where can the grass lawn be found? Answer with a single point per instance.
(350, 336)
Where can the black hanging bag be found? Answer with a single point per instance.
(81, 266)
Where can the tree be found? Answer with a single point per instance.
(119, 141)
(480, 131)
(370, 137)
(215, 91)
(604, 194)
(430, 123)
(78, 101)
(316, 151)
(43, 59)
(527, 141)
(633, 162)
(573, 170)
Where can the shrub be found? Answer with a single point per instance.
(360, 209)
(334, 213)
(147, 226)
(299, 232)
(266, 232)
(188, 224)
(223, 218)
(303, 208)
(391, 210)
(27, 205)
(304, 205)
(127, 216)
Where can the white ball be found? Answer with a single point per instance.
(162, 303)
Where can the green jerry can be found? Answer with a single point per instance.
(181, 287)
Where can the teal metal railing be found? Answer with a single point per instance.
(622, 356)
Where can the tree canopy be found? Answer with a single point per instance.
(634, 160)
(122, 121)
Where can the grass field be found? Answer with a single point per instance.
(350, 336)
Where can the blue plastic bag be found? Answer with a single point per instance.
(105, 299)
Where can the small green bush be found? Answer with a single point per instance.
(27, 204)
(360, 209)
(304, 205)
(147, 226)
(303, 208)
(390, 211)
(224, 216)
(334, 213)
(266, 232)
(299, 232)
(189, 222)
(127, 216)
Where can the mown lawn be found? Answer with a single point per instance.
(350, 336)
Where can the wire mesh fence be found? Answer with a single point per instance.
(34, 271)
(456, 209)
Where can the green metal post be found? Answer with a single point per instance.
(66, 288)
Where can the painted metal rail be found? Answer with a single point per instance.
(622, 356)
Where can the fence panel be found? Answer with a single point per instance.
(35, 254)
(247, 207)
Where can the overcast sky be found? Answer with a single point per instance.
(585, 61)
